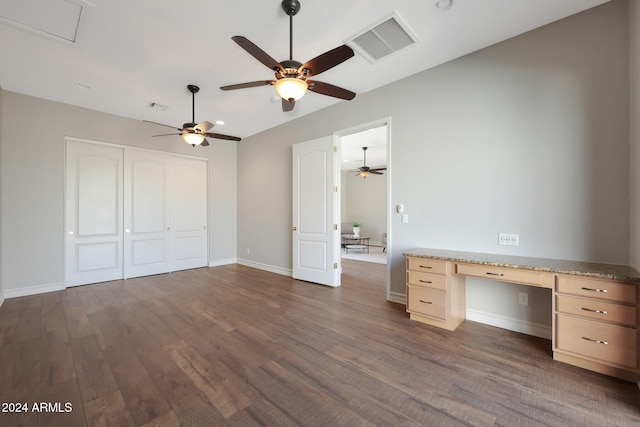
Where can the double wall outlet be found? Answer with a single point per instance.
(509, 239)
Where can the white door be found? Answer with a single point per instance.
(147, 222)
(189, 231)
(316, 256)
(93, 220)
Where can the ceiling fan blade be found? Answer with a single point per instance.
(377, 169)
(204, 126)
(257, 53)
(330, 90)
(205, 143)
(248, 84)
(162, 124)
(221, 136)
(288, 105)
(375, 172)
(327, 60)
(168, 134)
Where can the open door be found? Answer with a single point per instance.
(316, 256)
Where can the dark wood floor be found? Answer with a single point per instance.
(234, 345)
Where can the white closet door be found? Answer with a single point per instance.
(189, 231)
(147, 220)
(93, 220)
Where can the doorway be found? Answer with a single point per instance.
(364, 197)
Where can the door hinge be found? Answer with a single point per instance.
(335, 226)
(335, 148)
(335, 265)
(335, 188)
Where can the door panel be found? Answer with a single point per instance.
(147, 244)
(93, 213)
(189, 232)
(315, 234)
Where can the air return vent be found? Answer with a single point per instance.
(382, 39)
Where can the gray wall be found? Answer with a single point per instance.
(1, 187)
(635, 133)
(529, 136)
(33, 132)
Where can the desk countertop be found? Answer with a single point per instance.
(578, 268)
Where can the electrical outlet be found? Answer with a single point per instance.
(509, 239)
(523, 298)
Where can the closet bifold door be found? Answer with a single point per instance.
(147, 213)
(93, 213)
(189, 212)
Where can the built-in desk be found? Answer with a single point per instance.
(595, 306)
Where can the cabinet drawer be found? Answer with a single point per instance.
(428, 265)
(425, 279)
(513, 275)
(427, 301)
(609, 343)
(598, 310)
(594, 288)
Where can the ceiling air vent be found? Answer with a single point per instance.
(156, 106)
(382, 39)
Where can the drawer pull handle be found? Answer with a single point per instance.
(425, 302)
(425, 266)
(495, 274)
(595, 311)
(596, 341)
(426, 281)
(594, 290)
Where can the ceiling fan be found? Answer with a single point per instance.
(365, 170)
(194, 133)
(291, 76)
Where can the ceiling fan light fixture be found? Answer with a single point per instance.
(291, 88)
(193, 138)
(364, 174)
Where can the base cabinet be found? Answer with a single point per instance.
(595, 320)
(434, 295)
(596, 325)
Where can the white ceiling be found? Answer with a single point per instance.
(132, 53)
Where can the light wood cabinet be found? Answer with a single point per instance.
(595, 306)
(596, 325)
(434, 295)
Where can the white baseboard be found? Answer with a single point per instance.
(33, 290)
(1, 298)
(219, 262)
(397, 298)
(517, 325)
(266, 267)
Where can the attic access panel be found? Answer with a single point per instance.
(57, 19)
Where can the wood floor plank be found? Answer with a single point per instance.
(237, 346)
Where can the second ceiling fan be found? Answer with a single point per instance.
(291, 76)
(365, 170)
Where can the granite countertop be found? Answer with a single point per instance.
(578, 268)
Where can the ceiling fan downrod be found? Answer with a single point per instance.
(193, 89)
(291, 8)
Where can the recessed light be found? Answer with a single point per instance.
(442, 5)
(220, 122)
(83, 86)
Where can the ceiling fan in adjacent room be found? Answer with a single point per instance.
(195, 133)
(291, 76)
(365, 170)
